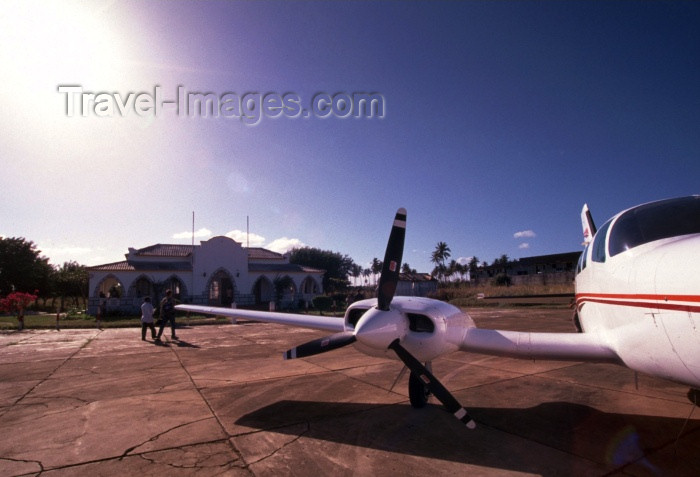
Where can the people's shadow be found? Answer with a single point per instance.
(184, 344)
(178, 343)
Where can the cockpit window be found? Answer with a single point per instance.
(582, 259)
(655, 221)
(598, 246)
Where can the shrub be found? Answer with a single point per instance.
(502, 280)
(322, 303)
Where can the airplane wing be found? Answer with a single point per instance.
(558, 346)
(326, 323)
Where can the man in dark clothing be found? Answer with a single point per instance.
(167, 313)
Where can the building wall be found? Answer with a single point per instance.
(217, 257)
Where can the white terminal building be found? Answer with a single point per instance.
(217, 272)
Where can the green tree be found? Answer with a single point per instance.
(366, 273)
(474, 269)
(70, 280)
(502, 262)
(376, 268)
(22, 268)
(406, 268)
(441, 253)
(356, 272)
(336, 266)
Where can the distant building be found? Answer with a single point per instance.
(541, 269)
(416, 284)
(217, 272)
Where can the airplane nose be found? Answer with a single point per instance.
(675, 272)
(378, 328)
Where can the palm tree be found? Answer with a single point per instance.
(406, 268)
(474, 269)
(366, 273)
(355, 271)
(440, 254)
(451, 269)
(376, 268)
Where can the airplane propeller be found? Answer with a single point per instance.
(321, 345)
(392, 261)
(433, 384)
(380, 327)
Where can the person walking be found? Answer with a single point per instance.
(167, 314)
(147, 318)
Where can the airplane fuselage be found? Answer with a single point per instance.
(641, 293)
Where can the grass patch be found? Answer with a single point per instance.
(469, 296)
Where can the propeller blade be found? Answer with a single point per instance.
(392, 261)
(321, 345)
(435, 386)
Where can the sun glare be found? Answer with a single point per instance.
(47, 44)
(59, 41)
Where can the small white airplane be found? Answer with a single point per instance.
(637, 304)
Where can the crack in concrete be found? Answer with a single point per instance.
(154, 438)
(47, 377)
(24, 461)
(229, 441)
(283, 446)
(204, 462)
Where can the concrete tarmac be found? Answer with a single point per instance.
(223, 402)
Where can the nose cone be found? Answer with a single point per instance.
(378, 328)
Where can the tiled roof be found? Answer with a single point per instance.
(165, 250)
(141, 266)
(114, 267)
(258, 253)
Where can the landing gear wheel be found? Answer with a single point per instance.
(418, 392)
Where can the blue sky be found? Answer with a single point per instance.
(500, 118)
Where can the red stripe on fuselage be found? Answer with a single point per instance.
(662, 302)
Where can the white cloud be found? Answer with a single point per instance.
(523, 246)
(243, 238)
(201, 233)
(524, 234)
(284, 244)
(464, 260)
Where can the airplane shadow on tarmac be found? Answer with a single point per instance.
(546, 439)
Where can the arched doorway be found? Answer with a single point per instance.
(285, 291)
(142, 287)
(221, 289)
(309, 286)
(176, 286)
(109, 287)
(263, 291)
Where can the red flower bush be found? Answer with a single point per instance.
(16, 302)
